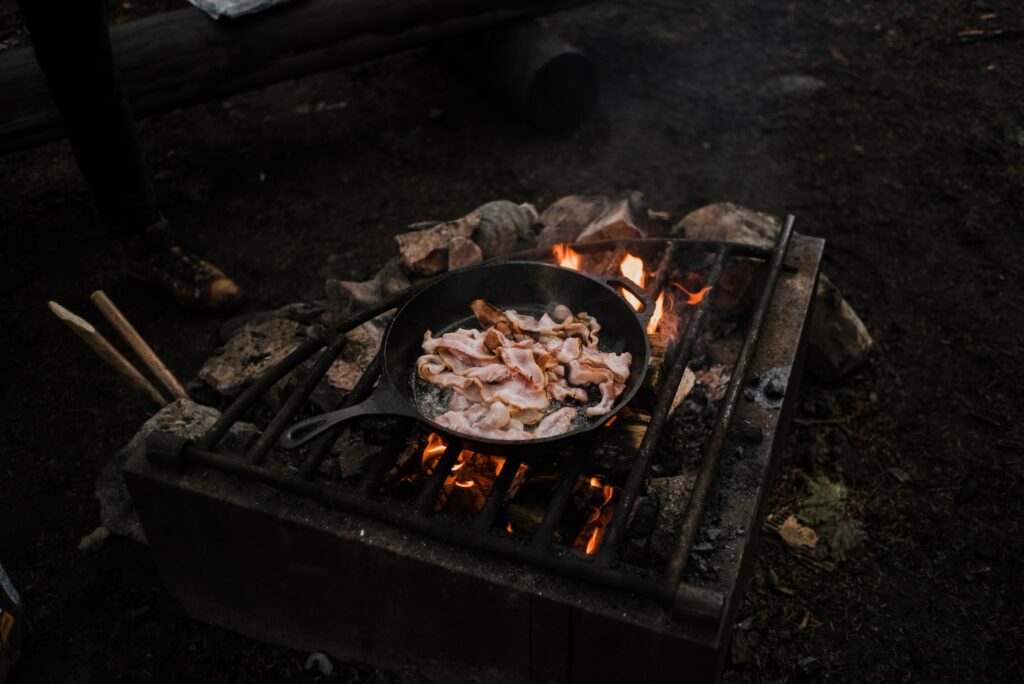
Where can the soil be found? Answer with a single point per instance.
(901, 142)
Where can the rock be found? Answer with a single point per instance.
(566, 218)
(673, 492)
(183, 417)
(728, 222)
(248, 354)
(790, 86)
(425, 252)
(503, 226)
(393, 278)
(809, 666)
(645, 517)
(94, 540)
(659, 223)
(344, 298)
(715, 380)
(623, 219)
(300, 312)
(463, 252)
(839, 341)
(321, 662)
(363, 344)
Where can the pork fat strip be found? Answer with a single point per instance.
(517, 371)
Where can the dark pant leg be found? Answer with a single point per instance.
(72, 45)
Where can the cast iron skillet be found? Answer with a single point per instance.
(527, 287)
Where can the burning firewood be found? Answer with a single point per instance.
(839, 340)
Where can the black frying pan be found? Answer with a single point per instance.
(527, 287)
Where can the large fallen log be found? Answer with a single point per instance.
(183, 57)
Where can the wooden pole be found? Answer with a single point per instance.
(106, 351)
(130, 335)
(180, 58)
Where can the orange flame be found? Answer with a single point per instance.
(594, 530)
(694, 297)
(434, 448)
(633, 268)
(659, 311)
(567, 257)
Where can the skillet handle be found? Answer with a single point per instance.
(384, 401)
(640, 293)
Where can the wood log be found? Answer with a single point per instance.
(183, 57)
(106, 351)
(130, 335)
(548, 80)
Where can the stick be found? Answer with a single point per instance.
(106, 351)
(130, 335)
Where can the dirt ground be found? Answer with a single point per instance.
(905, 149)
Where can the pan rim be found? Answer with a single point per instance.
(623, 401)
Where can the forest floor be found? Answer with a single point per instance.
(901, 143)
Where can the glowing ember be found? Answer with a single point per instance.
(566, 257)
(589, 539)
(694, 297)
(435, 447)
(659, 311)
(633, 268)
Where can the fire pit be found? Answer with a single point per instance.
(617, 557)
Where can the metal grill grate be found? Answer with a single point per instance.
(605, 566)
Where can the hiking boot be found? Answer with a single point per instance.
(155, 256)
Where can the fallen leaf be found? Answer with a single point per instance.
(796, 535)
(899, 473)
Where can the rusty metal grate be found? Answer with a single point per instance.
(605, 567)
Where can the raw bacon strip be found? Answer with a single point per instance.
(507, 376)
(556, 423)
(516, 392)
(569, 350)
(522, 361)
(618, 364)
(491, 316)
(585, 374)
(458, 421)
(610, 391)
(560, 391)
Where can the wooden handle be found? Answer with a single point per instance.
(106, 351)
(130, 335)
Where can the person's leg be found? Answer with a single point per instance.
(72, 45)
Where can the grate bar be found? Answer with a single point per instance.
(258, 453)
(425, 501)
(496, 497)
(232, 414)
(387, 458)
(322, 445)
(735, 249)
(559, 501)
(615, 533)
(562, 561)
(418, 517)
(716, 443)
(255, 391)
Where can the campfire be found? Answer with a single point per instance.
(465, 489)
(603, 531)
